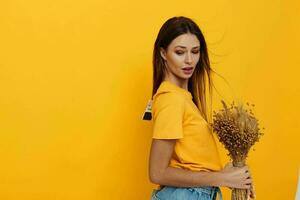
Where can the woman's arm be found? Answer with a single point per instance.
(160, 172)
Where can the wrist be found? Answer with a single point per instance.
(220, 179)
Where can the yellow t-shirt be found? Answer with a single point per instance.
(175, 116)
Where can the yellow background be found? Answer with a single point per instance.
(75, 77)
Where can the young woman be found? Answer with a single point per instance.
(184, 160)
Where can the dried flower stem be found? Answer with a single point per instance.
(237, 129)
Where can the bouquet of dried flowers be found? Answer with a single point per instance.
(237, 129)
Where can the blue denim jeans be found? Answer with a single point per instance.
(186, 193)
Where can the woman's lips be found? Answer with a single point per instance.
(187, 70)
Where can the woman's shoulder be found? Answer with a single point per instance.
(168, 98)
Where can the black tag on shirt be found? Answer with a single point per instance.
(147, 115)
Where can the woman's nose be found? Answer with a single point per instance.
(188, 58)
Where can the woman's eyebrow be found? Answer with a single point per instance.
(185, 47)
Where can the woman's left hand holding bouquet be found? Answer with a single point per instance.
(251, 191)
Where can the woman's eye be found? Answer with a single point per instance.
(179, 52)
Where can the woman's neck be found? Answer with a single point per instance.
(180, 83)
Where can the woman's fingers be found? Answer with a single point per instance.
(248, 181)
(252, 190)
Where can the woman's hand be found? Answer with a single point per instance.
(236, 177)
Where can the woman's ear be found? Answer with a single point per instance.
(163, 53)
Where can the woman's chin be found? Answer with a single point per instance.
(186, 76)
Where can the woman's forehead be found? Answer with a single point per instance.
(185, 41)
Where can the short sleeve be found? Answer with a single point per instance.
(168, 110)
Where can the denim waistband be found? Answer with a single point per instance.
(210, 190)
(205, 189)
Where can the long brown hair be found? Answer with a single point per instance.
(201, 78)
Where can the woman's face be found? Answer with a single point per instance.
(182, 56)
